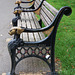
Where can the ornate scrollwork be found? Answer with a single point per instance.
(43, 52)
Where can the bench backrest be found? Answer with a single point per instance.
(47, 12)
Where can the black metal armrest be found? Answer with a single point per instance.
(64, 10)
(16, 30)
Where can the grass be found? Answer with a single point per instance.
(65, 38)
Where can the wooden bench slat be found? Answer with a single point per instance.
(42, 36)
(46, 4)
(45, 17)
(44, 21)
(31, 37)
(36, 35)
(41, 16)
(51, 8)
(35, 21)
(38, 2)
(24, 35)
(22, 16)
(47, 12)
(20, 24)
(36, 5)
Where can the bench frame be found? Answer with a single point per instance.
(47, 42)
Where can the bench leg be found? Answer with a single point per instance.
(12, 45)
(13, 63)
(52, 61)
(12, 52)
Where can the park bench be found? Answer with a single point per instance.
(30, 36)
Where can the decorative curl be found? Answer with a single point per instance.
(67, 11)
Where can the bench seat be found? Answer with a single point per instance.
(29, 20)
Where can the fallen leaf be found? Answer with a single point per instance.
(68, 16)
(59, 39)
(57, 59)
(71, 46)
(67, 50)
(66, 30)
(74, 29)
(64, 27)
(72, 66)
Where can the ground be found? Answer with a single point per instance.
(6, 15)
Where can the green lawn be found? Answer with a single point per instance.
(65, 38)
